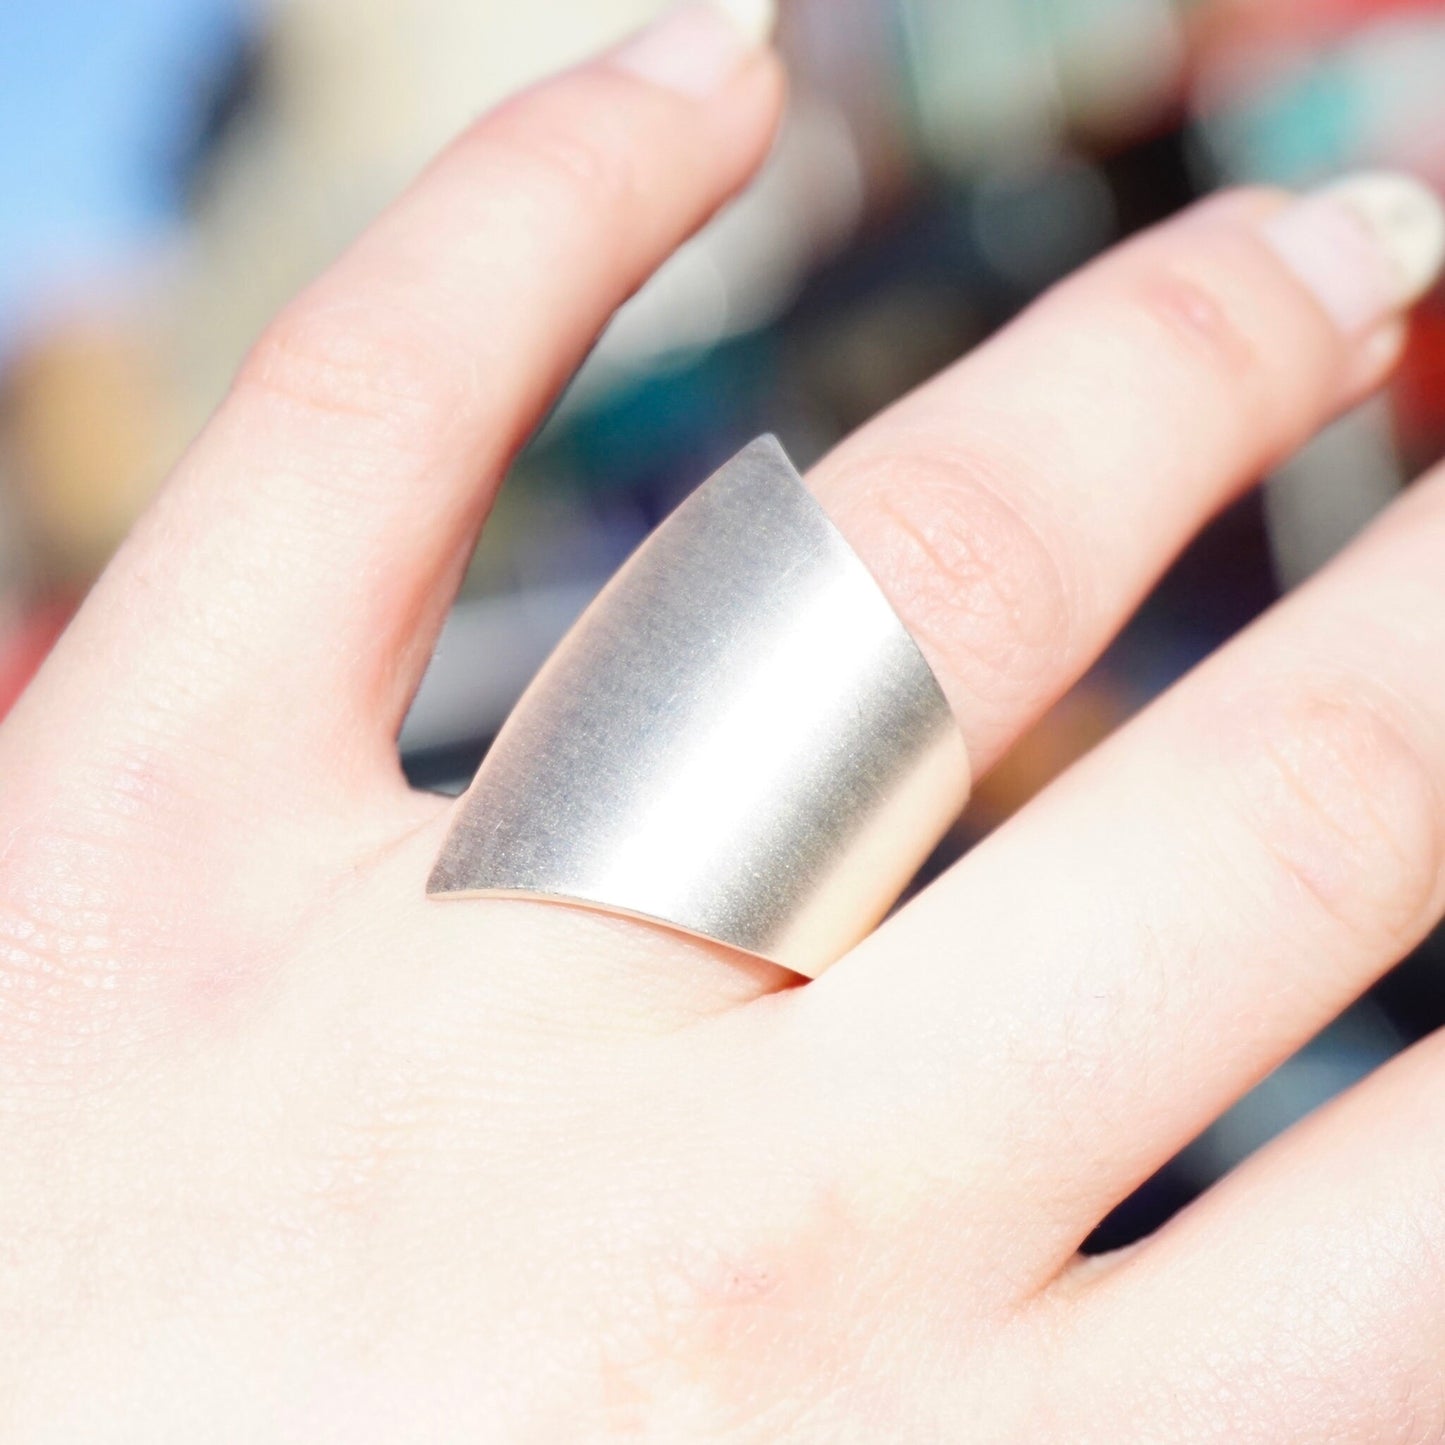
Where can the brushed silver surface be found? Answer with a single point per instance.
(738, 738)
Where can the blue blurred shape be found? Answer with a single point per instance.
(99, 102)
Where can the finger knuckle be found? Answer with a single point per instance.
(1345, 804)
(557, 156)
(1194, 326)
(983, 589)
(701, 1337)
(399, 382)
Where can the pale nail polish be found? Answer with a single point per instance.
(696, 47)
(755, 18)
(1367, 246)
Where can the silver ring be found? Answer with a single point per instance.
(738, 738)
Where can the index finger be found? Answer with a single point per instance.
(266, 623)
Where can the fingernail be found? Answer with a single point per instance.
(695, 48)
(1367, 246)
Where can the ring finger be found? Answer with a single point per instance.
(1015, 508)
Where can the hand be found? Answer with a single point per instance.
(292, 1153)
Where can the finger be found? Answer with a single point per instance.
(281, 598)
(1017, 507)
(1168, 375)
(1103, 976)
(1303, 1298)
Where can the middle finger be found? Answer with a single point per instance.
(1017, 507)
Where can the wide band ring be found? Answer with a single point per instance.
(738, 738)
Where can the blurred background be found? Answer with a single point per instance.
(172, 170)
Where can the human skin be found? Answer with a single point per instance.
(293, 1153)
